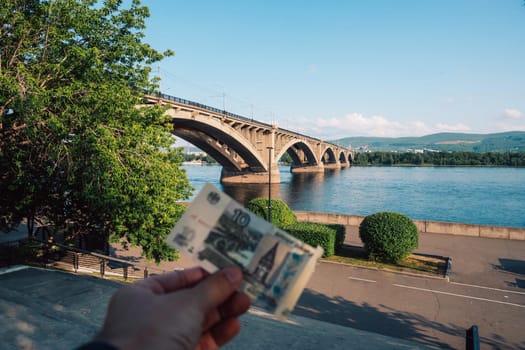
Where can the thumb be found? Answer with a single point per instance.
(217, 288)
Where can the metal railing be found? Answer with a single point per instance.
(41, 253)
(232, 115)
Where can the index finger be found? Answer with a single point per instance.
(175, 280)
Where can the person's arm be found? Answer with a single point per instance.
(187, 309)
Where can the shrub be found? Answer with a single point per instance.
(388, 237)
(340, 234)
(314, 234)
(282, 215)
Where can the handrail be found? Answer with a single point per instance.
(77, 259)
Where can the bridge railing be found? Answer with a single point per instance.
(232, 115)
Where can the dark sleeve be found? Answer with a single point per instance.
(97, 345)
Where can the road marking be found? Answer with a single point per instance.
(459, 295)
(490, 288)
(361, 279)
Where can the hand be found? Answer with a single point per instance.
(187, 309)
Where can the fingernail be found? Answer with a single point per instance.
(233, 274)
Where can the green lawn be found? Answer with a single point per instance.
(415, 263)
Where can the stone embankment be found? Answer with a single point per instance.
(424, 226)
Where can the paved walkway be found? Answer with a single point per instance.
(489, 262)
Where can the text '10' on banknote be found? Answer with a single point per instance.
(217, 232)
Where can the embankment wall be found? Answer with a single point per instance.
(424, 226)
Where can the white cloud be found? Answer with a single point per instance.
(357, 124)
(508, 126)
(511, 113)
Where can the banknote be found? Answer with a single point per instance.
(216, 231)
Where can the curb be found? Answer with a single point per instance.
(413, 274)
(13, 268)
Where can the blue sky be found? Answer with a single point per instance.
(333, 69)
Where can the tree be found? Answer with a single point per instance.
(76, 151)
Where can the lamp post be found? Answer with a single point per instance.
(269, 183)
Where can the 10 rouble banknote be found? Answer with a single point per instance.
(216, 232)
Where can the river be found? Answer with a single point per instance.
(474, 195)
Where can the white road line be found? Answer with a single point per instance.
(361, 279)
(490, 288)
(459, 295)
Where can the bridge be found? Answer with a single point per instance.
(247, 149)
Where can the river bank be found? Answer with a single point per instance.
(424, 226)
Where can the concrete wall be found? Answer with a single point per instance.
(424, 226)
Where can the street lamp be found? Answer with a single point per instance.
(269, 183)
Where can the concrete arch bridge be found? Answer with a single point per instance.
(247, 149)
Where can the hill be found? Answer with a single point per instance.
(498, 142)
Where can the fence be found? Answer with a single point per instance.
(50, 254)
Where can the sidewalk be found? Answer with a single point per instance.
(488, 262)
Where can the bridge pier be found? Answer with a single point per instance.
(307, 169)
(248, 177)
(332, 165)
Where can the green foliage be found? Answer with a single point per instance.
(514, 159)
(75, 150)
(286, 158)
(188, 157)
(282, 215)
(340, 234)
(314, 234)
(388, 237)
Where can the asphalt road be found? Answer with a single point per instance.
(486, 289)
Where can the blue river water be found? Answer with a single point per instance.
(474, 195)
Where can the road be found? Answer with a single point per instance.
(485, 289)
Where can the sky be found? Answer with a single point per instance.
(333, 69)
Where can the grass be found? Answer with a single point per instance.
(415, 263)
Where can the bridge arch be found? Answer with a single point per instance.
(342, 158)
(301, 153)
(328, 156)
(224, 143)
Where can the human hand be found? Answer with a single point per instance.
(187, 309)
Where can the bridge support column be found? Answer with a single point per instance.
(336, 165)
(345, 165)
(307, 169)
(248, 177)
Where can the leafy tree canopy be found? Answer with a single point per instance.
(76, 151)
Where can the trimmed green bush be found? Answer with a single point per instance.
(340, 234)
(282, 215)
(388, 237)
(314, 234)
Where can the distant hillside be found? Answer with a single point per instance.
(499, 142)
